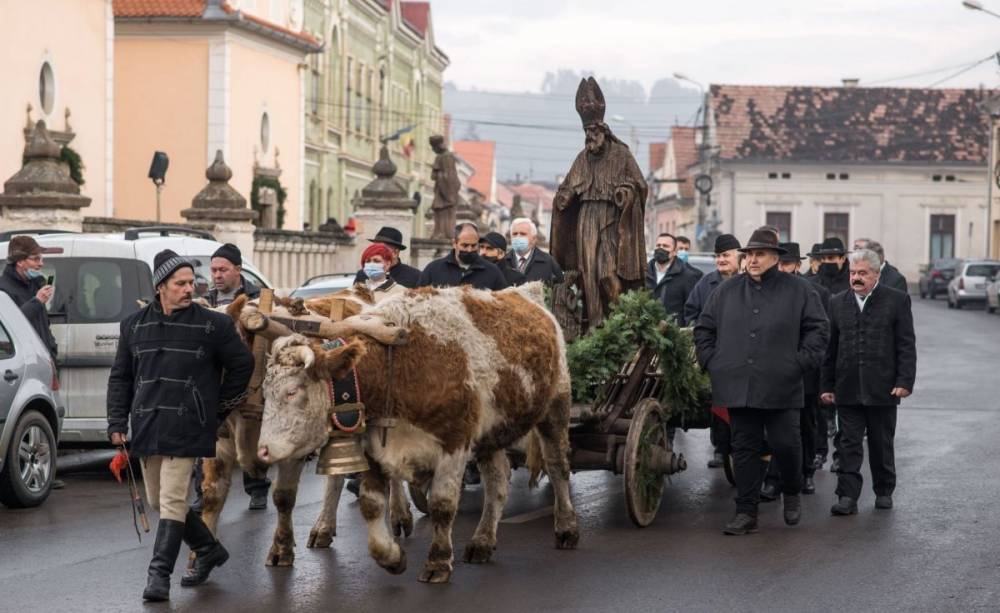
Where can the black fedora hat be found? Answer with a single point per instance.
(831, 246)
(495, 240)
(389, 236)
(726, 242)
(791, 253)
(763, 238)
(814, 252)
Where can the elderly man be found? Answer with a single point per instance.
(463, 265)
(758, 334)
(405, 275)
(23, 281)
(180, 369)
(493, 248)
(669, 278)
(889, 275)
(526, 258)
(871, 364)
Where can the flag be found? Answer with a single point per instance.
(408, 146)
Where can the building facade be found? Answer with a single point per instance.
(906, 167)
(671, 189)
(380, 75)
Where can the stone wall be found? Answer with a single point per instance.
(288, 258)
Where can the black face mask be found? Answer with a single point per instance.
(662, 256)
(467, 257)
(491, 260)
(829, 269)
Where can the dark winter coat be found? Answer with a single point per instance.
(758, 340)
(512, 275)
(870, 351)
(407, 276)
(247, 288)
(445, 272)
(22, 292)
(540, 267)
(699, 294)
(891, 277)
(812, 377)
(837, 283)
(674, 288)
(177, 376)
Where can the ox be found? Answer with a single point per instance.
(479, 371)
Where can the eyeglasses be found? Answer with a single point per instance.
(34, 258)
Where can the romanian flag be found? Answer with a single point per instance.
(408, 146)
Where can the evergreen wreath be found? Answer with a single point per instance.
(272, 183)
(72, 159)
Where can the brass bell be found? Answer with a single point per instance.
(342, 455)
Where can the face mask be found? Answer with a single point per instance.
(33, 274)
(829, 269)
(519, 243)
(467, 257)
(491, 260)
(682, 255)
(661, 256)
(374, 270)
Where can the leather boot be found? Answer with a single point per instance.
(769, 492)
(208, 551)
(793, 509)
(845, 506)
(169, 533)
(742, 523)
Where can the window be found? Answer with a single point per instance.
(786, 175)
(370, 114)
(783, 222)
(830, 176)
(265, 132)
(46, 87)
(836, 225)
(844, 176)
(314, 84)
(99, 291)
(348, 99)
(358, 120)
(6, 345)
(942, 236)
(772, 175)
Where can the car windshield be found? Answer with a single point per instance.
(982, 270)
(945, 264)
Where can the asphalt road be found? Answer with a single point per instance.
(938, 550)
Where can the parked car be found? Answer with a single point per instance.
(99, 279)
(324, 284)
(969, 283)
(31, 411)
(935, 276)
(993, 294)
(705, 262)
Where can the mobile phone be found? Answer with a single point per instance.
(50, 280)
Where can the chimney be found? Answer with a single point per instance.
(850, 82)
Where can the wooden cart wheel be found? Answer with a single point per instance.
(643, 482)
(419, 497)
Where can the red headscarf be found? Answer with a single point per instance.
(377, 249)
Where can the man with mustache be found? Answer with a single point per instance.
(871, 364)
(180, 369)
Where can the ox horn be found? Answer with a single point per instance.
(259, 323)
(384, 332)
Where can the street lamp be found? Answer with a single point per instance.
(704, 156)
(976, 5)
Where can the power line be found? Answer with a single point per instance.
(963, 71)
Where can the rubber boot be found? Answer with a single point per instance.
(169, 533)
(209, 552)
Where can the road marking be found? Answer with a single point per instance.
(546, 511)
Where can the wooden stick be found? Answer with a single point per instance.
(260, 346)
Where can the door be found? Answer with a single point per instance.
(11, 369)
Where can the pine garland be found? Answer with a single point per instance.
(279, 190)
(597, 357)
(72, 159)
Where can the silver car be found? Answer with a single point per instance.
(969, 283)
(31, 411)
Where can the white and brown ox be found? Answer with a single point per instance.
(238, 439)
(479, 371)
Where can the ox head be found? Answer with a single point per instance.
(297, 395)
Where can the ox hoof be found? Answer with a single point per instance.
(403, 527)
(478, 553)
(567, 539)
(280, 556)
(399, 567)
(435, 575)
(320, 539)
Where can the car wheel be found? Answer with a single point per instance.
(30, 466)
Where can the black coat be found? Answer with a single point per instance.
(870, 351)
(837, 283)
(512, 275)
(22, 292)
(445, 272)
(250, 290)
(407, 276)
(674, 288)
(177, 376)
(812, 377)
(540, 267)
(891, 277)
(699, 294)
(758, 340)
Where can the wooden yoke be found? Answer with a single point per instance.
(255, 401)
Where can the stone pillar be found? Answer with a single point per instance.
(383, 202)
(219, 204)
(42, 196)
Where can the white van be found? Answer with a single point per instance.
(98, 280)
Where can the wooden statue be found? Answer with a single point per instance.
(446, 186)
(598, 212)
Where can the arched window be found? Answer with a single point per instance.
(265, 132)
(313, 194)
(46, 87)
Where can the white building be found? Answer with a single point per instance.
(906, 167)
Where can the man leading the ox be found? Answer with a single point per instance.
(669, 278)
(463, 265)
(758, 334)
(525, 256)
(179, 370)
(405, 275)
(871, 364)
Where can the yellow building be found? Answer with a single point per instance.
(195, 76)
(57, 59)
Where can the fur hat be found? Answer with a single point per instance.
(230, 252)
(21, 248)
(167, 263)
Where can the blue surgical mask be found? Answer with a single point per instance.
(682, 255)
(33, 274)
(520, 244)
(374, 270)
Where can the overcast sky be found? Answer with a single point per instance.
(509, 45)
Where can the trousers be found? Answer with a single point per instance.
(167, 479)
(809, 436)
(879, 422)
(781, 428)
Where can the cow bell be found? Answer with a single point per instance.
(342, 455)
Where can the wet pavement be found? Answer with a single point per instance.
(938, 550)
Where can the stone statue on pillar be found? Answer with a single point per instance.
(444, 173)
